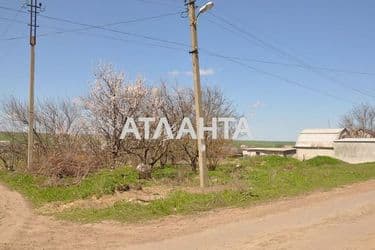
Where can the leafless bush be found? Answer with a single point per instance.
(12, 122)
(215, 104)
(12, 154)
(61, 146)
(71, 162)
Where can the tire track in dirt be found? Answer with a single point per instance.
(14, 212)
(340, 219)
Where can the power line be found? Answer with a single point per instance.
(12, 21)
(235, 60)
(302, 63)
(13, 10)
(100, 36)
(88, 26)
(129, 41)
(103, 27)
(81, 31)
(330, 69)
(27, 23)
(63, 31)
(315, 67)
(155, 2)
(288, 55)
(115, 31)
(286, 80)
(136, 20)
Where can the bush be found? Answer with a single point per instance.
(68, 164)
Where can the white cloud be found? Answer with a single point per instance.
(204, 72)
(258, 104)
(254, 107)
(207, 72)
(174, 73)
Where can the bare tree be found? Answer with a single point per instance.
(360, 120)
(110, 102)
(155, 104)
(215, 105)
(181, 105)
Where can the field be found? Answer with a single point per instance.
(263, 144)
(4, 136)
(235, 183)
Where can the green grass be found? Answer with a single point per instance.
(2, 137)
(13, 136)
(264, 144)
(177, 202)
(98, 184)
(257, 180)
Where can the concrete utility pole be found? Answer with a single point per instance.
(203, 172)
(34, 7)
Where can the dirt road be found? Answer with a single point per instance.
(340, 219)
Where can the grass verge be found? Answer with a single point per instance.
(39, 193)
(255, 180)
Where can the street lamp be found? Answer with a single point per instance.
(203, 171)
(208, 6)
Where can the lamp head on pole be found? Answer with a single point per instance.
(208, 6)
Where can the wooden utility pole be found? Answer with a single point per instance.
(203, 172)
(34, 7)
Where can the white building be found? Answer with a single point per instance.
(268, 151)
(318, 142)
(355, 150)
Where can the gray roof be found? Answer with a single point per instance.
(319, 138)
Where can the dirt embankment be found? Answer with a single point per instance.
(340, 219)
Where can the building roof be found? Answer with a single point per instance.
(319, 138)
(360, 140)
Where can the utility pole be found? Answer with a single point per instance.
(34, 10)
(203, 172)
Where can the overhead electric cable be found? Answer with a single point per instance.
(281, 52)
(235, 60)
